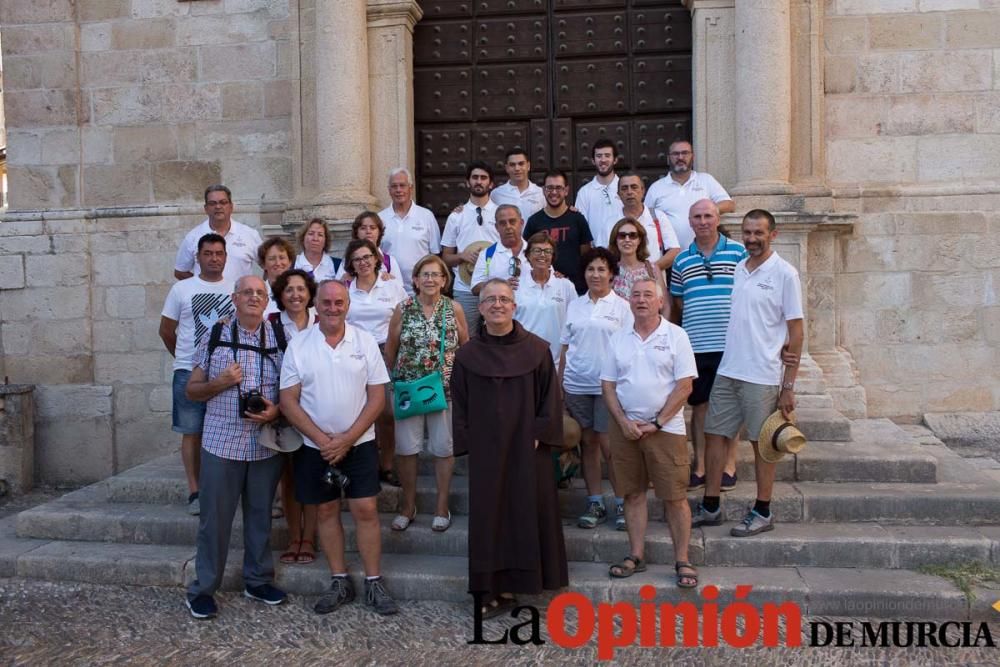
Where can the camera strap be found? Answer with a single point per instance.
(262, 350)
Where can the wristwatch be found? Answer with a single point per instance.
(656, 423)
(790, 386)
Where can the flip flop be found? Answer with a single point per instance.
(306, 557)
(290, 556)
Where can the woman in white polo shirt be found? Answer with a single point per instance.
(372, 304)
(413, 350)
(314, 241)
(275, 255)
(368, 225)
(543, 297)
(591, 320)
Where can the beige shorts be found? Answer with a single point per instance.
(735, 403)
(658, 457)
(410, 434)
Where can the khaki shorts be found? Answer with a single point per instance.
(658, 457)
(410, 434)
(735, 403)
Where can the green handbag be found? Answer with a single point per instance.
(425, 394)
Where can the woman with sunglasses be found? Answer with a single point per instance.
(542, 296)
(372, 304)
(628, 244)
(591, 320)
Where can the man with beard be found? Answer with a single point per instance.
(598, 199)
(757, 371)
(467, 225)
(661, 241)
(567, 228)
(411, 231)
(505, 259)
(515, 533)
(683, 186)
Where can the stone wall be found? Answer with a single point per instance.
(912, 145)
(132, 102)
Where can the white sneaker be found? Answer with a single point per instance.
(752, 524)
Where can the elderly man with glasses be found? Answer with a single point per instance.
(506, 259)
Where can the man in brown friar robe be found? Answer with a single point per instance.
(506, 405)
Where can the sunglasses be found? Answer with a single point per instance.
(628, 235)
(515, 267)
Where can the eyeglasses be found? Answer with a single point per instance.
(541, 252)
(503, 300)
(430, 275)
(247, 293)
(554, 188)
(679, 154)
(479, 216)
(514, 269)
(628, 235)
(220, 202)
(364, 259)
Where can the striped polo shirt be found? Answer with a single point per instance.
(706, 286)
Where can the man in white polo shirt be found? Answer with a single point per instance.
(519, 190)
(598, 198)
(506, 258)
(411, 231)
(645, 379)
(332, 389)
(241, 240)
(683, 186)
(766, 318)
(468, 224)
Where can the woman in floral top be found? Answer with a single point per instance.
(412, 351)
(628, 245)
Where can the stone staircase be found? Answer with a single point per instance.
(858, 511)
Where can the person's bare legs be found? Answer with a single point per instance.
(406, 468)
(369, 535)
(331, 536)
(636, 519)
(715, 459)
(605, 443)
(385, 435)
(191, 458)
(444, 467)
(293, 510)
(698, 413)
(765, 473)
(593, 451)
(679, 523)
(731, 445)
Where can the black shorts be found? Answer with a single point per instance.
(707, 364)
(360, 465)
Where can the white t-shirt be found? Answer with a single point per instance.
(588, 330)
(324, 271)
(463, 229)
(334, 380)
(241, 250)
(763, 302)
(601, 206)
(409, 238)
(370, 311)
(499, 265)
(195, 305)
(531, 201)
(646, 371)
(541, 309)
(291, 330)
(652, 241)
(675, 200)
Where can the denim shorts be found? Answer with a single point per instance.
(188, 415)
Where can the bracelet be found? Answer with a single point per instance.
(790, 386)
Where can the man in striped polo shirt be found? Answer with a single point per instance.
(701, 285)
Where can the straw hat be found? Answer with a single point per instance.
(465, 269)
(571, 432)
(778, 437)
(280, 436)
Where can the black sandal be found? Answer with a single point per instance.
(624, 571)
(498, 606)
(681, 577)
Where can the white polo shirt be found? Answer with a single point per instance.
(499, 265)
(530, 201)
(763, 301)
(324, 271)
(408, 238)
(334, 379)
(291, 329)
(195, 305)
(601, 206)
(652, 240)
(541, 308)
(371, 311)
(241, 250)
(588, 330)
(463, 229)
(675, 200)
(646, 371)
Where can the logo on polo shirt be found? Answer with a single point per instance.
(766, 284)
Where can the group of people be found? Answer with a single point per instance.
(525, 311)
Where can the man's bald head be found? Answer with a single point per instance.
(704, 219)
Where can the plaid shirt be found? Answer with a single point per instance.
(226, 433)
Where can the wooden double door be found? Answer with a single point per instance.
(549, 76)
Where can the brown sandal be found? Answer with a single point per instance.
(685, 580)
(291, 556)
(622, 570)
(306, 557)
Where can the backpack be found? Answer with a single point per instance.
(281, 342)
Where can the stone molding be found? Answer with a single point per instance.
(391, 13)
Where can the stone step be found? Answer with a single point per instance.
(847, 592)
(823, 424)
(791, 544)
(885, 457)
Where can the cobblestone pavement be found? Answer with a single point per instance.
(44, 623)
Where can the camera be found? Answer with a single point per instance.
(334, 477)
(253, 402)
